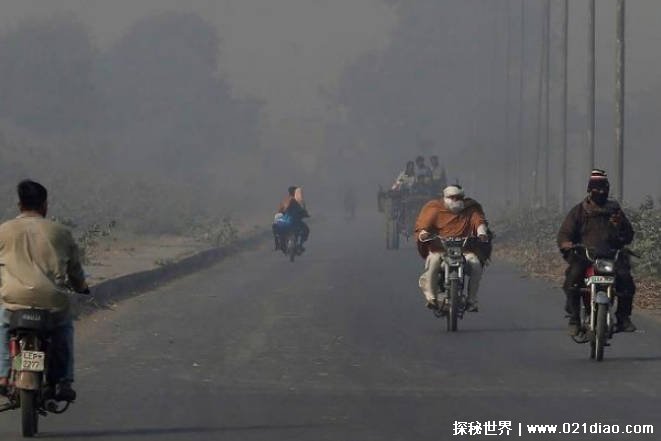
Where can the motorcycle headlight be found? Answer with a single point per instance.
(454, 252)
(604, 266)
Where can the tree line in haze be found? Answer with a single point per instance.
(145, 125)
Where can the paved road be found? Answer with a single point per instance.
(338, 346)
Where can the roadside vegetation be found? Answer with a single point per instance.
(528, 239)
(145, 133)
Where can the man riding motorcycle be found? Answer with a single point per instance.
(39, 261)
(599, 224)
(293, 208)
(452, 216)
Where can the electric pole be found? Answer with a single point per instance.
(591, 84)
(522, 73)
(540, 109)
(547, 102)
(508, 138)
(619, 100)
(565, 87)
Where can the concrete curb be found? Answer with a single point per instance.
(123, 287)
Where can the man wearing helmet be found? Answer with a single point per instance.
(452, 216)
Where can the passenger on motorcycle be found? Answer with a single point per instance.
(292, 212)
(600, 225)
(39, 260)
(406, 179)
(452, 216)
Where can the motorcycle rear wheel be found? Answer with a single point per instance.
(29, 413)
(291, 249)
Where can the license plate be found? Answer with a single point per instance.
(601, 279)
(32, 361)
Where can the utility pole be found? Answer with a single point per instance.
(547, 102)
(522, 73)
(591, 83)
(540, 96)
(508, 138)
(619, 100)
(565, 87)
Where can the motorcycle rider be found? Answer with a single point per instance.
(406, 179)
(38, 260)
(293, 208)
(600, 225)
(452, 216)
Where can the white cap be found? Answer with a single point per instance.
(453, 190)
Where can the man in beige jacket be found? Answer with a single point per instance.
(39, 266)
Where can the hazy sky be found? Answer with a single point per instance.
(280, 51)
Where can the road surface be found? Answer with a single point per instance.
(338, 346)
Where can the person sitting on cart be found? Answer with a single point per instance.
(438, 176)
(423, 174)
(406, 179)
(453, 215)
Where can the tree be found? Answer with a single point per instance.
(46, 75)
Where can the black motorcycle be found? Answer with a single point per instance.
(29, 387)
(451, 280)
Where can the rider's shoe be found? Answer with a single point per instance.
(574, 327)
(431, 304)
(301, 249)
(64, 392)
(625, 324)
(3, 386)
(472, 306)
(573, 330)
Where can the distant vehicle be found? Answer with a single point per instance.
(599, 301)
(29, 388)
(401, 207)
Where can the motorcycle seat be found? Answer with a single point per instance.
(33, 319)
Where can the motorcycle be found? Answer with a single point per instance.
(599, 301)
(451, 280)
(29, 387)
(291, 244)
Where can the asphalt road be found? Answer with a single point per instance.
(338, 346)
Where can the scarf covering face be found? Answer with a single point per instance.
(599, 198)
(454, 206)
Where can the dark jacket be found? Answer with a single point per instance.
(590, 225)
(291, 207)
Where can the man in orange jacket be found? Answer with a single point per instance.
(452, 216)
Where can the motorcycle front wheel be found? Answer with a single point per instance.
(601, 331)
(453, 303)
